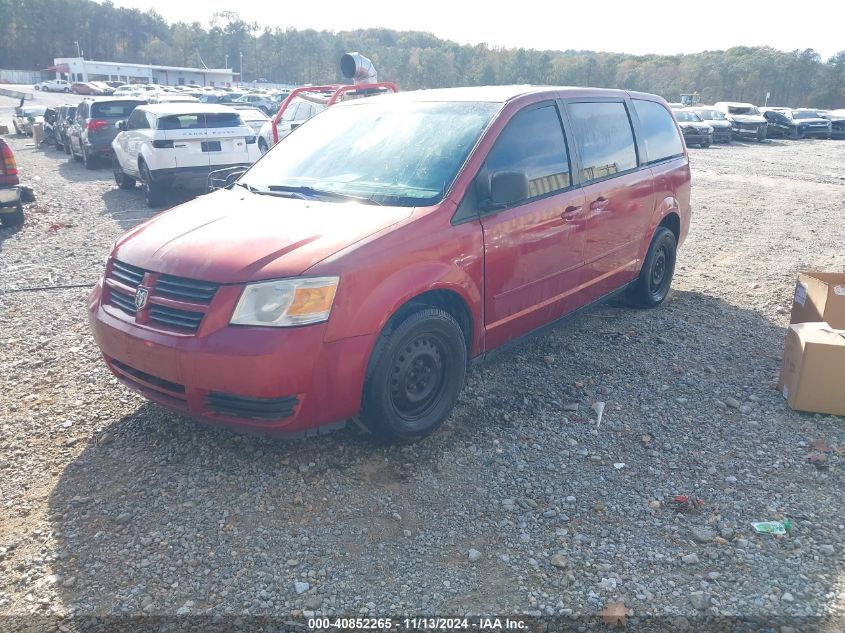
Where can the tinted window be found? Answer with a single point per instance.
(533, 142)
(604, 138)
(223, 119)
(137, 121)
(113, 109)
(660, 133)
(181, 122)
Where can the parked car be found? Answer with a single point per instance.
(356, 269)
(694, 129)
(722, 128)
(95, 126)
(169, 97)
(798, 123)
(86, 88)
(103, 87)
(53, 85)
(299, 110)
(262, 102)
(26, 116)
(745, 118)
(171, 145)
(837, 122)
(65, 116)
(11, 206)
(253, 117)
(127, 90)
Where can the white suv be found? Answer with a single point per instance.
(53, 85)
(298, 112)
(177, 145)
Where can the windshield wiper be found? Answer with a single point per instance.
(321, 193)
(256, 191)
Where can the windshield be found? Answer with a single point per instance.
(743, 110)
(710, 115)
(805, 114)
(687, 117)
(114, 109)
(404, 154)
(34, 111)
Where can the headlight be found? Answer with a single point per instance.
(286, 302)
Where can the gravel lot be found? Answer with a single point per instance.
(113, 506)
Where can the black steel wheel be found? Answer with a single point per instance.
(415, 374)
(655, 279)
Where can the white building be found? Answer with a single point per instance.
(80, 69)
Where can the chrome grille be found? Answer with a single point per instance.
(130, 275)
(123, 301)
(177, 318)
(185, 289)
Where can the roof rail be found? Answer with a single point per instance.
(337, 92)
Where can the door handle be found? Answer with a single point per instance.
(599, 204)
(570, 211)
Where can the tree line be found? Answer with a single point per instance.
(33, 32)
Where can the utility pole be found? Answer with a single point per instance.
(226, 63)
(78, 52)
(241, 53)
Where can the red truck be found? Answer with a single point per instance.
(358, 267)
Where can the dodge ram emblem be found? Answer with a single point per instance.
(141, 296)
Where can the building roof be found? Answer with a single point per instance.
(65, 60)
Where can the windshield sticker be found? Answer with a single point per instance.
(839, 290)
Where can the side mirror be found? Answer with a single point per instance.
(507, 187)
(121, 125)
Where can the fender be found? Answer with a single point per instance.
(397, 289)
(662, 208)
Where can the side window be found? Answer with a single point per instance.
(533, 142)
(81, 111)
(290, 112)
(137, 121)
(604, 138)
(660, 134)
(305, 112)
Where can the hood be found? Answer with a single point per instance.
(697, 125)
(746, 118)
(233, 236)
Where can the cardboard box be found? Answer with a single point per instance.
(4, 129)
(812, 377)
(820, 297)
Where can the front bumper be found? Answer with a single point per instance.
(698, 138)
(272, 380)
(817, 132)
(748, 130)
(10, 198)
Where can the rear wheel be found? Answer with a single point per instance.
(655, 280)
(87, 160)
(120, 178)
(67, 89)
(66, 144)
(153, 191)
(415, 374)
(13, 219)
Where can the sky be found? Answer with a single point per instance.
(646, 26)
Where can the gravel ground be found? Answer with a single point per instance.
(113, 506)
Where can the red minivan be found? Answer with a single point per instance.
(358, 266)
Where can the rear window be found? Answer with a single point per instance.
(223, 119)
(660, 134)
(199, 121)
(114, 109)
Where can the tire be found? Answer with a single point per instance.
(120, 178)
(87, 160)
(13, 219)
(761, 134)
(262, 146)
(415, 373)
(67, 89)
(66, 144)
(153, 191)
(705, 145)
(655, 279)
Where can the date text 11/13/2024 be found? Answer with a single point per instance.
(418, 624)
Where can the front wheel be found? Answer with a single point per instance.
(761, 134)
(153, 191)
(655, 279)
(705, 145)
(120, 178)
(415, 374)
(67, 90)
(262, 146)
